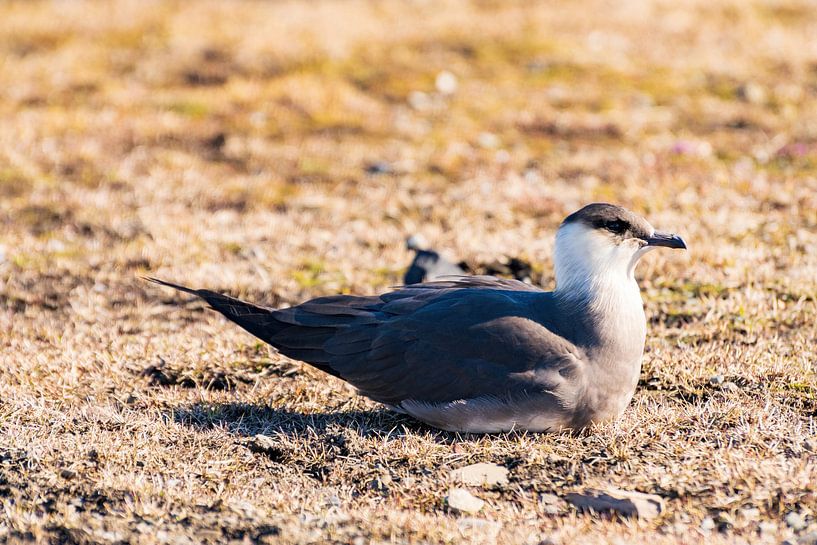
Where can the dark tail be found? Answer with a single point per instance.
(255, 319)
(291, 340)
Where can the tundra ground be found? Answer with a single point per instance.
(279, 151)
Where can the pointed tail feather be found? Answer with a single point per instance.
(262, 322)
(256, 319)
(169, 284)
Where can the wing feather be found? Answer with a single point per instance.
(442, 341)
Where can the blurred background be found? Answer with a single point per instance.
(290, 147)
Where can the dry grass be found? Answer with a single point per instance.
(226, 144)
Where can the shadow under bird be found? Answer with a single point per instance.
(481, 354)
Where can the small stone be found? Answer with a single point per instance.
(420, 101)
(623, 502)
(767, 527)
(333, 500)
(459, 499)
(55, 245)
(266, 445)
(810, 445)
(752, 93)
(488, 140)
(68, 474)
(730, 387)
(716, 380)
(480, 474)
(446, 83)
(795, 521)
(708, 524)
(750, 513)
(552, 504)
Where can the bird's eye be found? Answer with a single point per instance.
(616, 226)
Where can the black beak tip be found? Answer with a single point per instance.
(667, 240)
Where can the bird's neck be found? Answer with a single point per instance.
(612, 309)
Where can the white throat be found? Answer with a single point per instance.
(593, 269)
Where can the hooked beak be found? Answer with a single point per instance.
(668, 240)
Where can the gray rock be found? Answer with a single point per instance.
(623, 502)
(716, 380)
(446, 83)
(767, 527)
(750, 513)
(730, 387)
(333, 500)
(480, 474)
(551, 504)
(795, 521)
(459, 499)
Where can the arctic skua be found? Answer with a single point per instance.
(481, 354)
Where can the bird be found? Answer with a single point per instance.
(427, 264)
(479, 354)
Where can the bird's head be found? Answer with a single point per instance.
(603, 241)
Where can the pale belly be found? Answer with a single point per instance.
(490, 415)
(603, 399)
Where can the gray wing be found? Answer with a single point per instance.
(441, 346)
(443, 341)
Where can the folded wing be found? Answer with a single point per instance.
(437, 342)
